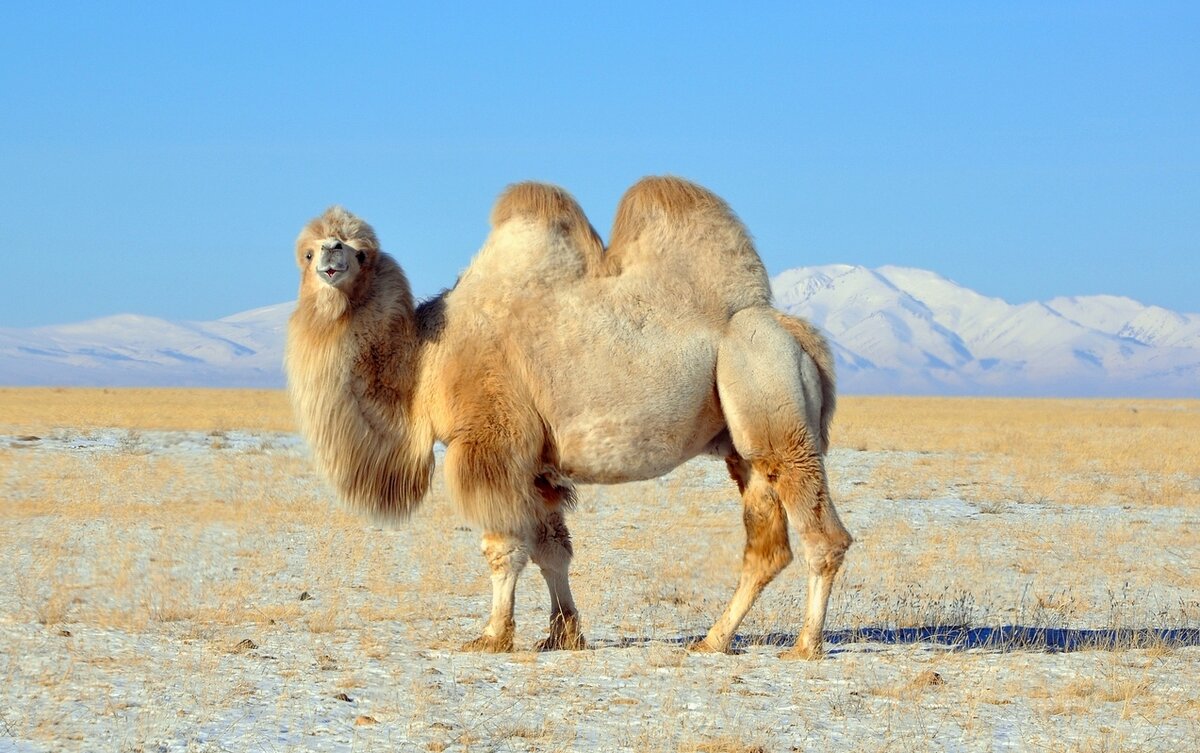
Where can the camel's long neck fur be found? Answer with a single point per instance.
(353, 372)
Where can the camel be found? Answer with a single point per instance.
(554, 361)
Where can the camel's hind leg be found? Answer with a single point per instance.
(771, 393)
(552, 552)
(798, 485)
(805, 494)
(767, 550)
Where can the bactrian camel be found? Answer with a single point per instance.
(553, 362)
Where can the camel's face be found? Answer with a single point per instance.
(336, 250)
(335, 261)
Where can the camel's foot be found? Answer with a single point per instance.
(707, 647)
(563, 642)
(565, 635)
(491, 644)
(806, 648)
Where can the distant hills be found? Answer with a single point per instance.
(127, 350)
(901, 330)
(893, 330)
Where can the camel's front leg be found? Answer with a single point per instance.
(507, 556)
(552, 552)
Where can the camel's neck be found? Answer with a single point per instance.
(353, 380)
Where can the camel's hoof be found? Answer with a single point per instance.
(803, 651)
(564, 634)
(490, 644)
(704, 647)
(574, 642)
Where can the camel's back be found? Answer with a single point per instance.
(618, 357)
(666, 226)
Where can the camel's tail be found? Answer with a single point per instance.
(812, 342)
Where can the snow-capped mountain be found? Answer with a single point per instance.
(909, 330)
(244, 350)
(893, 330)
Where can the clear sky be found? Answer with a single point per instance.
(160, 158)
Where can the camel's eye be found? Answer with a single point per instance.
(308, 256)
(361, 256)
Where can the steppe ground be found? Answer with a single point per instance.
(174, 577)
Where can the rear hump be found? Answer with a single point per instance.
(664, 199)
(668, 226)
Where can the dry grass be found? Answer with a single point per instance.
(723, 745)
(36, 410)
(209, 552)
(1122, 452)
(1071, 451)
(1010, 451)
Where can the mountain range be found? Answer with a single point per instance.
(894, 330)
(902, 330)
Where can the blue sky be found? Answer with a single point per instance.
(160, 158)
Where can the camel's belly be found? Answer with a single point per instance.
(642, 435)
(604, 451)
(627, 388)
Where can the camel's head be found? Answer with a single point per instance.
(336, 253)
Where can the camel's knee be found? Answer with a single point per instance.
(765, 565)
(552, 548)
(824, 553)
(799, 480)
(505, 553)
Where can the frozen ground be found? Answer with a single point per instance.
(228, 606)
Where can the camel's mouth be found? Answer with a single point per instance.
(330, 274)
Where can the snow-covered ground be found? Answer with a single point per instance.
(188, 591)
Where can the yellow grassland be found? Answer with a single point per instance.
(1130, 452)
(209, 548)
(36, 410)
(1070, 451)
(1008, 452)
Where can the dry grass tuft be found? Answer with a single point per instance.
(659, 656)
(724, 745)
(927, 679)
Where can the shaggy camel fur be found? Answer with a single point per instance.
(553, 362)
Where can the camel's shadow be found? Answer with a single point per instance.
(1000, 639)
